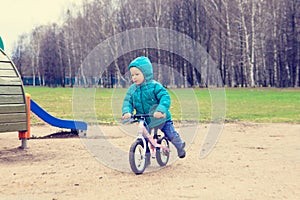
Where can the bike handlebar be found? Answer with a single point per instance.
(138, 116)
(134, 118)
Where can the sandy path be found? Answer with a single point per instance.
(250, 161)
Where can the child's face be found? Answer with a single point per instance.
(136, 75)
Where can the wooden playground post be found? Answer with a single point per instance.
(25, 135)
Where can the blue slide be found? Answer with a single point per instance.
(61, 123)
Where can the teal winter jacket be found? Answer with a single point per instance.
(148, 97)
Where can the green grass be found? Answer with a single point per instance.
(263, 105)
(252, 105)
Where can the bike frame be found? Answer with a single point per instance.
(143, 133)
(158, 146)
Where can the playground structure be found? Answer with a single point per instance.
(16, 106)
(13, 106)
(53, 121)
(1, 44)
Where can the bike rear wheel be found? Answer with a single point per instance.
(137, 157)
(162, 155)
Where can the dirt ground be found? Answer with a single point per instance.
(250, 161)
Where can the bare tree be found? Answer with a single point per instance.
(254, 43)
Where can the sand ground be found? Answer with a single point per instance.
(250, 161)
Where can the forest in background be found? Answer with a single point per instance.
(255, 43)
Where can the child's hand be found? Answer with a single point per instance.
(126, 116)
(159, 115)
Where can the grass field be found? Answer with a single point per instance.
(263, 105)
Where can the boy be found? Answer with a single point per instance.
(146, 96)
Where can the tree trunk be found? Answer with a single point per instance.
(275, 80)
(230, 71)
(247, 57)
(33, 70)
(252, 60)
(297, 81)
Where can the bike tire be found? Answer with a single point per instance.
(162, 156)
(137, 158)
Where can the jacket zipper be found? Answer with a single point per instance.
(142, 101)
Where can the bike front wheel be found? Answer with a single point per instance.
(137, 157)
(162, 155)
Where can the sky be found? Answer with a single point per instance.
(21, 16)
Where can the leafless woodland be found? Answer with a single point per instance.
(254, 43)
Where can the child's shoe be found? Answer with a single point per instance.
(181, 151)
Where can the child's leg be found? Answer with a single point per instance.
(170, 132)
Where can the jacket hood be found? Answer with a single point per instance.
(143, 64)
